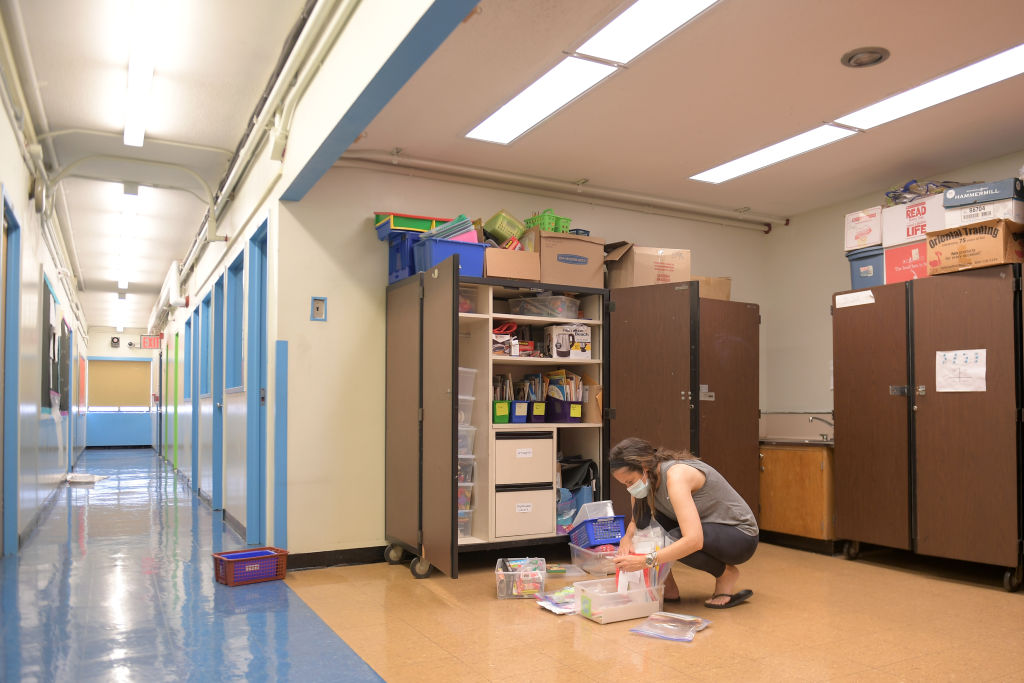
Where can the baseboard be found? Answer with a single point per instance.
(331, 558)
(121, 448)
(234, 524)
(40, 516)
(813, 545)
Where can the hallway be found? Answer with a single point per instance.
(117, 584)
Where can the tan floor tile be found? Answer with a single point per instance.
(957, 664)
(441, 670)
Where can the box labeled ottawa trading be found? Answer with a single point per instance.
(1011, 188)
(567, 341)
(912, 222)
(906, 262)
(630, 265)
(1008, 209)
(975, 246)
(863, 229)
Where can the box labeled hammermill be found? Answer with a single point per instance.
(985, 202)
(975, 246)
(567, 341)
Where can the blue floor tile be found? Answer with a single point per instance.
(117, 584)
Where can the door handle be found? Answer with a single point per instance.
(220, 405)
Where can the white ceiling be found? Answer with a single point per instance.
(212, 64)
(741, 76)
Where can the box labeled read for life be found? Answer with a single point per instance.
(911, 222)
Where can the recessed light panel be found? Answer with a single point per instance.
(644, 24)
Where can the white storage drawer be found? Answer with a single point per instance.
(524, 457)
(522, 513)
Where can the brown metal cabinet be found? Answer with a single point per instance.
(797, 491)
(685, 375)
(928, 417)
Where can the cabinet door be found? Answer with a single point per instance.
(967, 455)
(402, 405)
(796, 492)
(728, 393)
(651, 349)
(440, 366)
(872, 465)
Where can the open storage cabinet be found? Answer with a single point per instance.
(437, 323)
(932, 467)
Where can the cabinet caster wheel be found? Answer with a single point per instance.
(420, 568)
(851, 549)
(393, 554)
(1013, 578)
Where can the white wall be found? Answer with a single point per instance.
(807, 266)
(99, 343)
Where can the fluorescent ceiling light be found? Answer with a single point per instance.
(122, 282)
(642, 25)
(140, 71)
(968, 79)
(812, 139)
(569, 79)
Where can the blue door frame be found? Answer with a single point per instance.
(194, 371)
(12, 352)
(217, 383)
(256, 391)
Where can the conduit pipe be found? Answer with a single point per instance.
(559, 189)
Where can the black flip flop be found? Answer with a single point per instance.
(734, 599)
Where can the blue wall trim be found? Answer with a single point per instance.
(12, 353)
(425, 37)
(53, 292)
(119, 429)
(255, 380)
(118, 358)
(194, 425)
(217, 494)
(281, 444)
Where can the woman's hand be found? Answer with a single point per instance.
(630, 563)
(625, 545)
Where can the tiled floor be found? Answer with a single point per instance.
(117, 585)
(886, 617)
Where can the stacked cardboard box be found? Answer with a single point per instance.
(904, 231)
(985, 227)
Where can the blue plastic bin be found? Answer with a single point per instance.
(401, 260)
(600, 531)
(867, 267)
(430, 251)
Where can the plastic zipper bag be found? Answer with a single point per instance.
(671, 626)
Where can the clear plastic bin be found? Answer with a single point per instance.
(520, 577)
(545, 306)
(465, 523)
(599, 601)
(596, 563)
(467, 299)
(598, 508)
(467, 381)
(465, 409)
(465, 465)
(467, 439)
(465, 499)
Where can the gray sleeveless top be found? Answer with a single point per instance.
(717, 502)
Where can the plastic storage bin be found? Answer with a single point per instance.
(504, 226)
(558, 410)
(545, 306)
(520, 577)
(599, 563)
(252, 565)
(519, 411)
(466, 439)
(468, 299)
(547, 220)
(465, 523)
(465, 409)
(599, 531)
(867, 267)
(599, 601)
(430, 251)
(593, 510)
(387, 223)
(500, 412)
(467, 381)
(538, 411)
(464, 469)
(401, 262)
(465, 498)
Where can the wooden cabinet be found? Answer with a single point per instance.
(797, 490)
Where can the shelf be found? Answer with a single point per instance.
(470, 540)
(526, 360)
(534, 426)
(541, 320)
(474, 316)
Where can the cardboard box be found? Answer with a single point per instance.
(567, 341)
(975, 246)
(906, 262)
(715, 287)
(515, 265)
(906, 223)
(572, 260)
(630, 265)
(1011, 188)
(1007, 209)
(863, 229)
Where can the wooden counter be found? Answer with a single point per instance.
(797, 490)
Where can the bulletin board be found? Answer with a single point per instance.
(119, 383)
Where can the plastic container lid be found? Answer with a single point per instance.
(595, 510)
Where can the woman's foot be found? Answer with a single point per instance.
(725, 585)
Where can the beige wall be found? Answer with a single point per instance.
(807, 265)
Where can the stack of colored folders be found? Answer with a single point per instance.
(460, 229)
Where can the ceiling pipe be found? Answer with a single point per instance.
(64, 172)
(156, 141)
(392, 163)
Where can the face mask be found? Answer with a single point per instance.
(638, 489)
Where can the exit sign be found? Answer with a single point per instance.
(151, 341)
